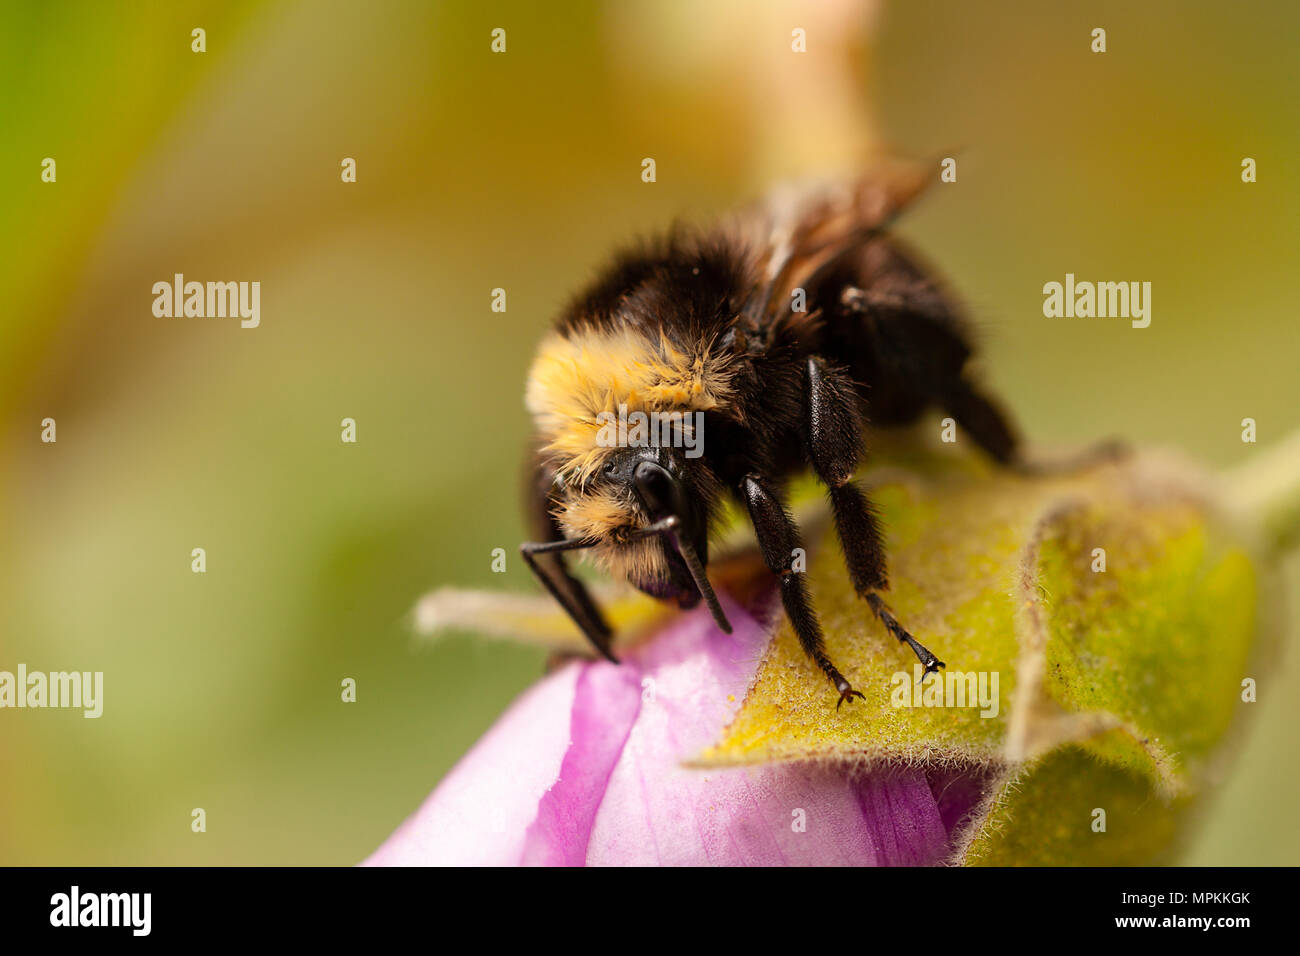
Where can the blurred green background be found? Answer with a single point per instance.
(519, 170)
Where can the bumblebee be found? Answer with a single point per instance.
(775, 336)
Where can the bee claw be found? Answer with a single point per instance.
(846, 692)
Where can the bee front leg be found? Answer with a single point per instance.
(777, 539)
(569, 592)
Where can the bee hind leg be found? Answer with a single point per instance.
(989, 426)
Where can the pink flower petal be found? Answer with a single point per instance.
(606, 703)
(586, 769)
(480, 810)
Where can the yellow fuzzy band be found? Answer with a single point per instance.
(576, 377)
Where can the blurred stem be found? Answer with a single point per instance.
(813, 112)
(1267, 487)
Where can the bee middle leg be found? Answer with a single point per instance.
(834, 443)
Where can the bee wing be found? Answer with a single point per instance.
(805, 228)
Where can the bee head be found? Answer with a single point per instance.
(633, 490)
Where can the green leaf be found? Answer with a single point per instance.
(1116, 688)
